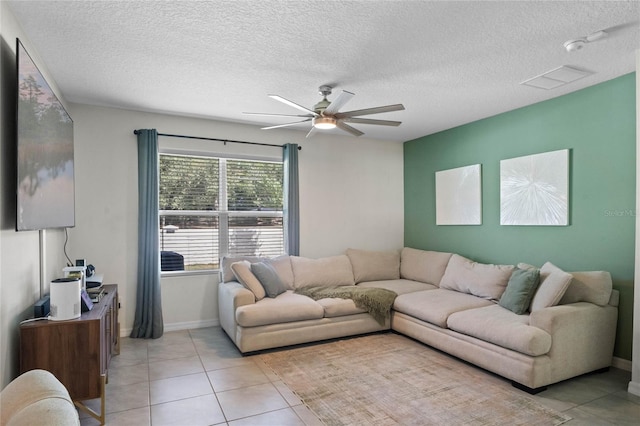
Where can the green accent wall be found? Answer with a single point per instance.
(597, 125)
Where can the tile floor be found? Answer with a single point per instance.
(197, 377)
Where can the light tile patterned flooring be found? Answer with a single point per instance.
(198, 377)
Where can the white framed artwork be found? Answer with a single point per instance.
(459, 196)
(534, 189)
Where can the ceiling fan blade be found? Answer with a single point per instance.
(293, 104)
(367, 111)
(370, 121)
(348, 129)
(286, 125)
(267, 114)
(339, 102)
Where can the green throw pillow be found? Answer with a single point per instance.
(269, 279)
(520, 290)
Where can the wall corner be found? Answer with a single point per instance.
(634, 385)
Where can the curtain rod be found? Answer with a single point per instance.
(135, 132)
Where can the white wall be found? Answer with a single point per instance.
(351, 195)
(19, 251)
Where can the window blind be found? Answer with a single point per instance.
(211, 207)
(188, 183)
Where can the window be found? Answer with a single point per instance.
(211, 207)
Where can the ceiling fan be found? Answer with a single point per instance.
(326, 115)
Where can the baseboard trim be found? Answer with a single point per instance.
(176, 326)
(621, 363)
(188, 325)
(634, 388)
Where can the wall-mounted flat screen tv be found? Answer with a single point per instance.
(46, 186)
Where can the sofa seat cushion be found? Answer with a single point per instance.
(500, 326)
(399, 286)
(286, 307)
(337, 307)
(435, 306)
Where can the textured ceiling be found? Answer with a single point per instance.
(449, 63)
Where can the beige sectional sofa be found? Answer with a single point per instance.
(37, 398)
(444, 300)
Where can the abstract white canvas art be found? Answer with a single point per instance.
(459, 196)
(534, 190)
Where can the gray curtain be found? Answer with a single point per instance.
(148, 321)
(291, 200)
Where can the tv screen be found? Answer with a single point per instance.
(46, 189)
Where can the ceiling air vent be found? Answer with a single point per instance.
(556, 77)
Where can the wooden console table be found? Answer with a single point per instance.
(76, 351)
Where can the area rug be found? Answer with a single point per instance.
(388, 379)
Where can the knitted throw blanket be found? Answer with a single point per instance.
(376, 301)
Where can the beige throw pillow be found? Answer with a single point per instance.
(242, 272)
(374, 265)
(334, 270)
(553, 284)
(225, 267)
(483, 280)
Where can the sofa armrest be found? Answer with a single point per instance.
(232, 295)
(237, 294)
(35, 397)
(582, 337)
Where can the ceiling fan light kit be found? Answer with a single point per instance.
(324, 123)
(325, 114)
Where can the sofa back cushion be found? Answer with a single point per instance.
(334, 270)
(423, 265)
(374, 265)
(553, 284)
(482, 280)
(590, 286)
(282, 265)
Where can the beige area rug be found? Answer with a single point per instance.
(388, 379)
